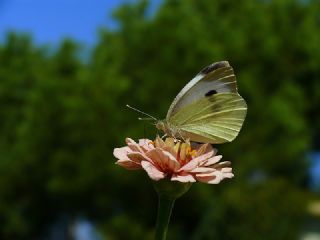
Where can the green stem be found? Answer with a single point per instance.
(164, 212)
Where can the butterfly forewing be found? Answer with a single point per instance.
(222, 80)
(215, 78)
(215, 119)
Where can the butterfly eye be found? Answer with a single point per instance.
(210, 93)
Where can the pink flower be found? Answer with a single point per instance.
(174, 159)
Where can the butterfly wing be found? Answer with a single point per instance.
(212, 119)
(215, 78)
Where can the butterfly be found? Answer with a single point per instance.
(208, 109)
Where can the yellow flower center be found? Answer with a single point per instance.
(185, 153)
(182, 150)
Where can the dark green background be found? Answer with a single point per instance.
(61, 117)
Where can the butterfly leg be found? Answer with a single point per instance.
(163, 136)
(179, 132)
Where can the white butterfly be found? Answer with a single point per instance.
(208, 109)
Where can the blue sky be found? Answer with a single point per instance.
(315, 170)
(49, 21)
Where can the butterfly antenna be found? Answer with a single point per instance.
(146, 114)
(145, 119)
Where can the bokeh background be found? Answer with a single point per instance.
(67, 70)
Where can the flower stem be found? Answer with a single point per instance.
(164, 212)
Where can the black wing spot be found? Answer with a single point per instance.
(210, 93)
(214, 66)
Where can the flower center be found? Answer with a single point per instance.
(182, 150)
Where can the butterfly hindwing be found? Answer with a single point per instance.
(217, 118)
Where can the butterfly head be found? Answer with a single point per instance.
(166, 127)
(162, 125)
(169, 129)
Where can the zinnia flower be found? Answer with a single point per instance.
(174, 159)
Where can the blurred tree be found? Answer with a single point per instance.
(21, 66)
(261, 40)
(60, 120)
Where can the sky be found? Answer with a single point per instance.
(315, 171)
(49, 21)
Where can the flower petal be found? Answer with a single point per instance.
(226, 170)
(172, 162)
(228, 175)
(212, 160)
(158, 142)
(121, 153)
(123, 160)
(183, 178)
(212, 178)
(189, 166)
(146, 144)
(130, 141)
(128, 164)
(137, 157)
(202, 170)
(222, 165)
(133, 145)
(163, 159)
(205, 148)
(195, 162)
(202, 158)
(153, 172)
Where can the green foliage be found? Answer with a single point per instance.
(254, 211)
(60, 120)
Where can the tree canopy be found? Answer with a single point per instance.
(61, 117)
